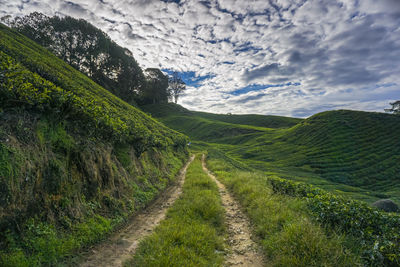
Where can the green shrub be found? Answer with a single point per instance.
(6, 170)
(378, 232)
(44, 245)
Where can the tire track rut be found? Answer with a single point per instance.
(243, 250)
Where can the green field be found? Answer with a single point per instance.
(299, 224)
(285, 229)
(352, 154)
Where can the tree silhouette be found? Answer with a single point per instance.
(395, 107)
(176, 86)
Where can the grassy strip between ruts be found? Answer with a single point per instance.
(192, 233)
(287, 234)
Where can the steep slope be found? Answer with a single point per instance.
(87, 49)
(75, 161)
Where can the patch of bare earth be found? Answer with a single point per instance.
(122, 245)
(243, 250)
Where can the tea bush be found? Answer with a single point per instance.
(31, 77)
(378, 232)
(21, 88)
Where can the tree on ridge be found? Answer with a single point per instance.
(395, 107)
(176, 86)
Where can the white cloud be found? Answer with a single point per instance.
(338, 50)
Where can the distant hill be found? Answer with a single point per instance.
(216, 127)
(75, 160)
(266, 121)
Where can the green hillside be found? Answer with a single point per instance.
(351, 147)
(266, 121)
(347, 152)
(218, 128)
(286, 216)
(75, 161)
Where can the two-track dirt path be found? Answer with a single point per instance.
(244, 251)
(122, 245)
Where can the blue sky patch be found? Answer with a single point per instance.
(190, 78)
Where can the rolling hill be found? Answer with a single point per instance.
(266, 121)
(353, 155)
(351, 147)
(219, 128)
(349, 152)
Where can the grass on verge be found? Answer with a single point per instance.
(192, 233)
(287, 234)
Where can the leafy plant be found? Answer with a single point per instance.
(378, 232)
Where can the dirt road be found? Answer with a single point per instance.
(122, 245)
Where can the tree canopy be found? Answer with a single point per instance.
(87, 49)
(156, 87)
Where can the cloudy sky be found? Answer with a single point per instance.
(282, 57)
